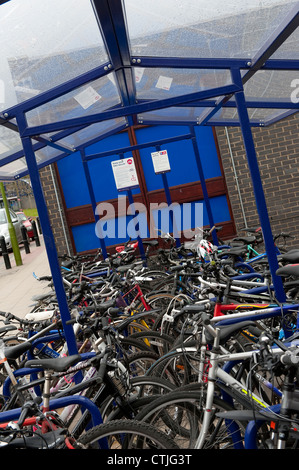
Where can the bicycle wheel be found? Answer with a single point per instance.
(125, 434)
(180, 366)
(179, 414)
(139, 363)
(142, 388)
(158, 342)
(132, 345)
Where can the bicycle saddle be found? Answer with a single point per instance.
(59, 364)
(104, 306)
(235, 251)
(49, 440)
(150, 242)
(123, 269)
(246, 240)
(13, 352)
(290, 257)
(37, 298)
(227, 330)
(289, 270)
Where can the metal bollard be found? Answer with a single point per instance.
(39, 225)
(5, 253)
(36, 237)
(25, 240)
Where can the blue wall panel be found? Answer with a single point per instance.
(181, 155)
(219, 208)
(183, 170)
(72, 176)
(86, 238)
(73, 181)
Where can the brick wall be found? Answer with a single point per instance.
(278, 159)
(55, 209)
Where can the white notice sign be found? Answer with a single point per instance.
(87, 97)
(164, 83)
(161, 161)
(125, 174)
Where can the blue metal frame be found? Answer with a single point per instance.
(203, 184)
(112, 23)
(258, 191)
(93, 200)
(130, 110)
(169, 202)
(49, 239)
(131, 203)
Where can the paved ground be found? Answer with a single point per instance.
(17, 285)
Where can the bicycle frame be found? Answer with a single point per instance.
(241, 285)
(220, 374)
(259, 314)
(231, 387)
(139, 295)
(6, 417)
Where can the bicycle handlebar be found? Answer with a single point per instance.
(10, 316)
(291, 358)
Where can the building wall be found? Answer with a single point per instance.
(277, 153)
(55, 209)
(278, 159)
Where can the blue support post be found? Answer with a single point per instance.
(258, 189)
(48, 238)
(93, 201)
(140, 244)
(203, 185)
(169, 202)
(131, 202)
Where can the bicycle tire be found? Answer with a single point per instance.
(180, 413)
(126, 434)
(177, 366)
(141, 388)
(138, 363)
(156, 341)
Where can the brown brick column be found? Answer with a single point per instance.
(55, 209)
(277, 153)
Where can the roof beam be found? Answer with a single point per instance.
(112, 24)
(277, 38)
(130, 110)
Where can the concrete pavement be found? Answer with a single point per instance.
(17, 285)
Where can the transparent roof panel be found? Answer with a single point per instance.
(256, 115)
(94, 97)
(289, 49)
(153, 83)
(197, 28)
(94, 131)
(19, 166)
(48, 153)
(44, 44)
(272, 84)
(10, 142)
(47, 43)
(175, 113)
(12, 169)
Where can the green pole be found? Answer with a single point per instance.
(11, 229)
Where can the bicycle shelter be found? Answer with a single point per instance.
(237, 65)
